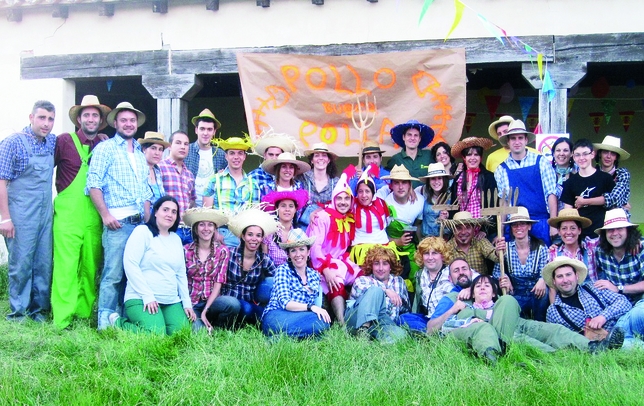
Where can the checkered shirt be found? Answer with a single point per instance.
(242, 284)
(288, 287)
(395, 283)
(14, 157)
(202, 276)
(224, 187)
(180, 185)
(625, 272)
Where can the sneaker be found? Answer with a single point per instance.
(112, 318)
(612, 342)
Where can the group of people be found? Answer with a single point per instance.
(180, 234)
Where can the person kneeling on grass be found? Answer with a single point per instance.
(156, 295)
(295, 305)
(488, 322)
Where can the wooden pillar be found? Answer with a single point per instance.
(553, 114)
(173, 92)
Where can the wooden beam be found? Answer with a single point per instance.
(318, 2)
(106, 9)
(212, 5)
(264, 3)
(553, 114)
(160, 6)
(172, 86)
(564, 74)
(623, 47)
(60, 11)
(14, 15)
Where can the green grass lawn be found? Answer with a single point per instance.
(40, 365)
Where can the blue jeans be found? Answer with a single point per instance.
(112, 287)
(263, 292)
(414, 321)
(531, 307)
(371, 308)
(293, 324)
(230, 240)
(632, 323)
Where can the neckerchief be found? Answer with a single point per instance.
(342, 228)
(562, 174)
(379, 209)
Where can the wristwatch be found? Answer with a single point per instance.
(308, 307)
(620, 289)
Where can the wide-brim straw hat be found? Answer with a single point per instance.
(320, 147)
(197, 214)
(152, 137)
(206, 113)
(237, 143)
(516, 127)
(469, 142)
(297, 238)
(580, 269)
(140, 117)
(492, 128)
(615, 218)
(252, 215)
(614, 144)
(399, 172)
(300, 197)
(426, 133)
(370, 147)
(461, 218)
(569, 215)
(522, 215)
(270, 165)
(269, 139)
(89, 101)
(436, 170)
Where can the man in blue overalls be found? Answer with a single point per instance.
(26, 168)
(522, 169)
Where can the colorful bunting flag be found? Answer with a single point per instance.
(548, 87)
(469, 120)
(596, 118)
(532, 121)
(426, 5)
(569, 107)
(608, 105)
(492, 102)
(627, 118)
(540, 65)
(457, 18)
(526, 105)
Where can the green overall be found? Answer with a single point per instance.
(78, 252)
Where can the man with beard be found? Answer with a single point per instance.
(465, 243)
(178, 181)
(77, 225)
(26, 166)
(334, 229)
(116, 183)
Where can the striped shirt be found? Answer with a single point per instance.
(228, 195)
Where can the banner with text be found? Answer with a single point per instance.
(312, 97)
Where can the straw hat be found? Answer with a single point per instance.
(270, 165)
(237, 143)
(205, 113)
(197, 214)
(252, 215)
(521, 215)
(469, 142)
(615, 218)
(370, 147)
(579, 267)
(89, 101)
(320, 147)
(436, 170)
(569, 215)
(111, 117)
(268, 139)
(492, 128)
(152, 137)
(297, 238)
(461, 218)
(516, 127)
(612, 143)
(300, 197)
(426, 133)
(399, 172)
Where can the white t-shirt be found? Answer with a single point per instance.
(409, 212)
(204, 174)
(376, 236)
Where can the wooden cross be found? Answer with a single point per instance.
(501, 206)
(366, 121)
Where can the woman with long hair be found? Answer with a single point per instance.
(562, 162)
(153, 145)
(286, 205)
(156, 295)
(472, 185)
(442, 153)
(285, 169)
(320, 181)
(436, 187)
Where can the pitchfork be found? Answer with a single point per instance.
(366, 121)
(441, 205)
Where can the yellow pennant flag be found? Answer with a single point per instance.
(457, 18)
(540, 64)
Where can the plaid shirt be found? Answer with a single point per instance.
(242, 284)
(202, 276)
(278, 255)
(480, 249)
(192, 159)
(548, 175)
(315, 197)
(110, 170)
(224, 187)
(180, 185)
(432, 293)
(523, 277)
(14, 157)
(616, 306)
(621, 193)
(625, 272)
(469, 201)
(395, 283)
(288, 287)
(261, 178)
(589, 246)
